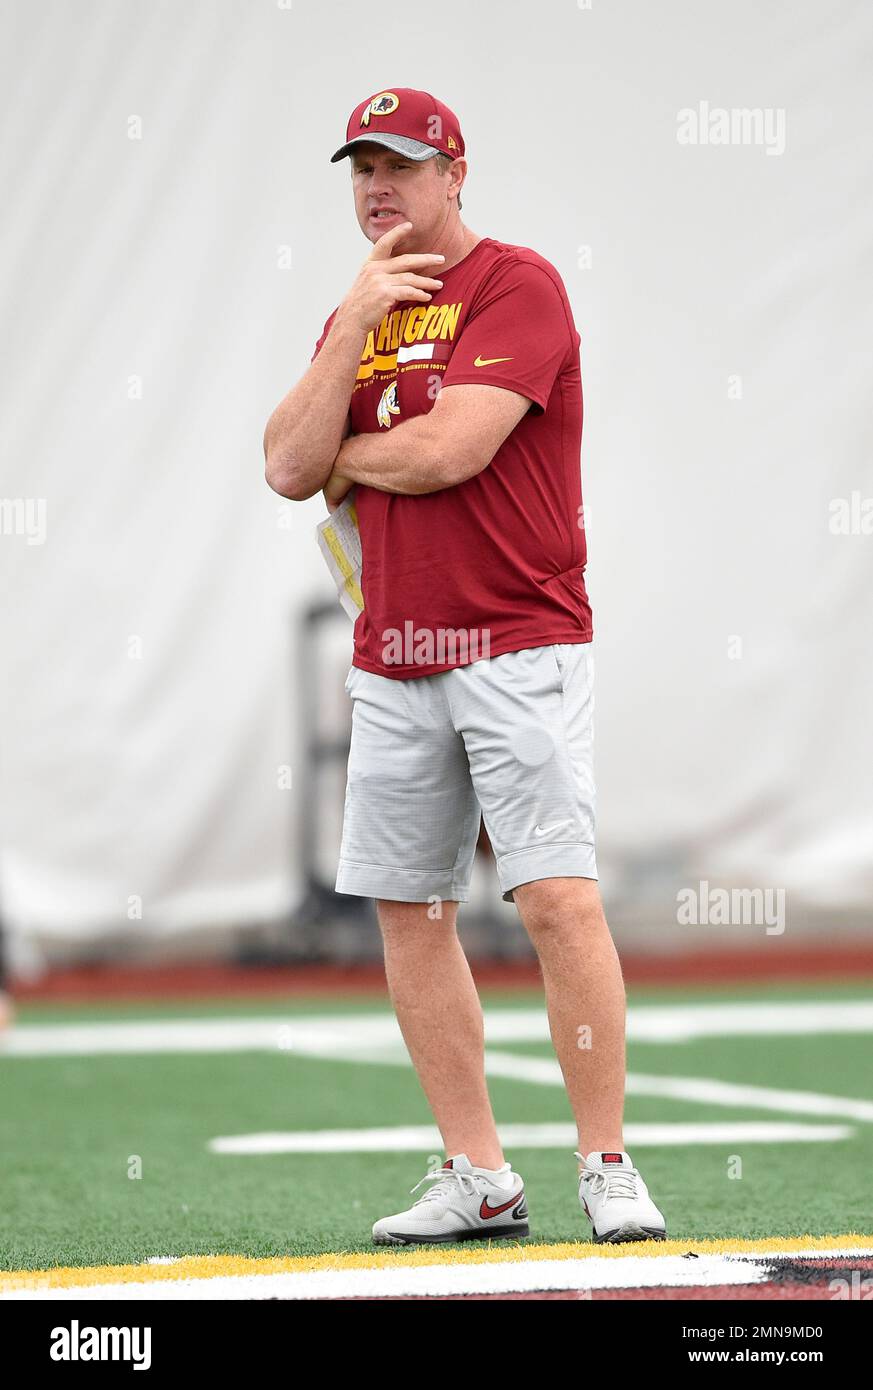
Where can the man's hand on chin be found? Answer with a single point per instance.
(335, 490)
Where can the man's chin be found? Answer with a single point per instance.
(373, 230)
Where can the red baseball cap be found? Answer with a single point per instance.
(411, 123)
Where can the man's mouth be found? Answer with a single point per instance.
(383, 214)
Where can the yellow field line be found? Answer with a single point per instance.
(213, 1266)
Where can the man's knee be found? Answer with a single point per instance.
(551, 904)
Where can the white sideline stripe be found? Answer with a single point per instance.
(426, 1138)
(350, 1036)
(528, 1276)
(545, 1071)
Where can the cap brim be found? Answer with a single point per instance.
(400, 144)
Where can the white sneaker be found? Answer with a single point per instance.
(616, 1200)
(464, 1203)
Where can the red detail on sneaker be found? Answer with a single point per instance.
(610, 1158)
(449, 1163)
(487, 1212)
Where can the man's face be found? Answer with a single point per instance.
(389, 189)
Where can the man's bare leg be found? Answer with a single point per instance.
(440, 1017)
(584, 991)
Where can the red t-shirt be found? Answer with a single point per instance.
(494, 564)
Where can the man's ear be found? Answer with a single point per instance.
(458, 172)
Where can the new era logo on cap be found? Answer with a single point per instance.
(411, 123)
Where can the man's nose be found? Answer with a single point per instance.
(380, 183)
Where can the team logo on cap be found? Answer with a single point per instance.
(388, 405)
(381, 105)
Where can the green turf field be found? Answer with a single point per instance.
(69, 1125)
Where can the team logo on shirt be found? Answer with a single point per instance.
(381, 105)
(388, 405)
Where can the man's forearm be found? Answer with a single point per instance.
(407, 459)
(305, 431)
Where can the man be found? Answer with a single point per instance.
(446, 389)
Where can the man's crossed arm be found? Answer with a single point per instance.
(454, 441)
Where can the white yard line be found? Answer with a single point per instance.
(375, 1038)
(703, 1091)
(320, 1037)
(545, 1071)
(369, 1036)
(669, 1023)
(425, 1139)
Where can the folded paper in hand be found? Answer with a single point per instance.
(339, 541)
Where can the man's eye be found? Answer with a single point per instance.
(368, 168)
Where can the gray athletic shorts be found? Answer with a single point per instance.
(508, 739)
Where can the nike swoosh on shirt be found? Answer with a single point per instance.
(488, 361)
